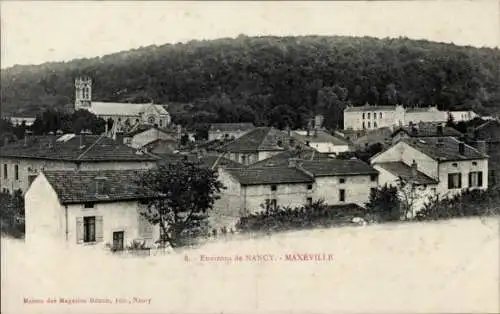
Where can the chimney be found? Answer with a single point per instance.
(481, 147)
(318, 121)
(414, 169)
(461, 148)
(52, 139)
(292, 162)
(439, 130)
(119, 137)
(26, 137)
(59, 132)
(288, 131)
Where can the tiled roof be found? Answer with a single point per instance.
(319, 137)
(260, 139)
(75, 187)
(369, 108)
(73, 147)
(145, 127)
(421, 109)
(443, 148)
(269, 175)
(281, 159)
(402, 170)
(427, 130)
(337, 167)
(123, 109)
(231, 127)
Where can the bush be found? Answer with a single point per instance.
(286, 218)
(12, 214)
(468, 204)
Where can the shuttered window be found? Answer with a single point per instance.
(79, 230)
(98, 229)
(89, 229)
(454, 180)
(475, 179)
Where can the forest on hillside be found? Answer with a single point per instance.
(275, 81)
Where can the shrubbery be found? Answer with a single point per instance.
(12, 214)
(286, 218)
(469, 203)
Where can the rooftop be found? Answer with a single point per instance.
(260, 139)
(231, 127)
(281, 159)
(76, 187)
(124, 109)
(427, 130)
(320, 136)
(444, 148)
(71, 147)
(145, 127)
(404, 171)
(337, 167)
(370, 108)
(208, 161)
(269, 175)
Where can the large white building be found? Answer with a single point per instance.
(374, 117)
(123, 114)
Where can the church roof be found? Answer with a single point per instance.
(123, 109)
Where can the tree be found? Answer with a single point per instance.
(385, 203)
(186, 193)
(409, 194)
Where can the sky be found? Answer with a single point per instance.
(39, 31)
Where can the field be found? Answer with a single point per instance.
(448, 266)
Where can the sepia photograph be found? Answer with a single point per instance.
(250, 157)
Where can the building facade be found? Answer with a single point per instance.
(87, 208)
(443, 166)
(224, 131)
(124, 115)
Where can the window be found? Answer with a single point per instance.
(89, 229)
(151, 120)
(369, 126)
(342, 195)
(474, 163)
(364, 125)
(309, 201)
(368, 116)
(342, 180)
(454, 180)
(309, 186)
(88, 205)
(373, 191)
(380, 115)
(273, 188)
(374, 115)
(373, 177)
(5, 175)
(363, 115)
(118, 240)
(161, 122)
(243, 159)
(271, 203)
(375, 124)
(454, 164)
(16, 172)
(476, 179)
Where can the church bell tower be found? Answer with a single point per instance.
(83, 93)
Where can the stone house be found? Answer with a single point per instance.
(424, 130)
(23, 160)
(322, 141)
(87, 208)
(259, 144)
(433, 165)
(222, 131)
(144, 135)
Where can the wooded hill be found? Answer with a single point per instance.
(270, 80)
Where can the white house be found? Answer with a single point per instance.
(464, 115)
(441, 165)
(145, 134)
(321, 141)
(87, 208)
(373, 117)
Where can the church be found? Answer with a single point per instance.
(124, 115)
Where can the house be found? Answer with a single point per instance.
(145, 134)
(464, 115)
(258, 144)
(424, 130)
(361, 139)
(222, 131)
(88, 208)
(299, 182)
(202, 160)
(22, 160)
(322, 141)
(20, 120)
(416, 115)
(432, 165)
(124, 115)
(373, 117)
(489, 132)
